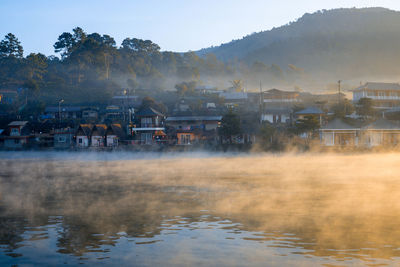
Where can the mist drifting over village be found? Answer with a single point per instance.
(280, 148)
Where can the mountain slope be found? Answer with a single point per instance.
(339, 42)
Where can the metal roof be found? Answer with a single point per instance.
(309, 110)
(148, 112)
(194, 118)
(338, 124)
(378, 86)
(233, 95)
(383, 124)
(17, 123)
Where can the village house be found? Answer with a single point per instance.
(66, 112)
(191, 129)
(64, 138)
(149, 127)
(90, 113)
(98, 135)
(207, 90)
(114, 135)
(234, 99)
(277, 106)
(339, 133)
(384, 95)
(83, 134)
(380, 133)
(18, 134)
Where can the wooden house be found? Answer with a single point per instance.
(339, 133)
(381, 133)
(114, 135)
(18, 134)
(192, 129)
(98, 135)
(83, 134)
(149, 127)
(63, 138)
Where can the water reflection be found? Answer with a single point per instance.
(280, 210)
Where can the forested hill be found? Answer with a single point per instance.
(340, 42)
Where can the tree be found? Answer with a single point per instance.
(64, 44)
(11, 47)
(230, 125)
(186, 88)
(345, 107)
(67, 42)
(365, 107)
(308, 124)
(139, 45)
(37, 65)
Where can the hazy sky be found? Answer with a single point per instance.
(175, 25)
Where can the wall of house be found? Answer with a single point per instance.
(373, 138)
(63, 140)
(97, 141)
(112, 140)
(185, 138)
(211, 126)
(82, 141)
(274, 118)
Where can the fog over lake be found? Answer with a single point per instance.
(199, 209)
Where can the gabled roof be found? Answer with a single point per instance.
(18, 123)
(86, 128)
(117, 130)
(194, 118)
(309, 110)
(383, 124)
(275, 91)
(100, 128)
(233, 95)
(338, 124)
(148, 111)
(379, 86)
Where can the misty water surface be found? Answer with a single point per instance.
(199, 209)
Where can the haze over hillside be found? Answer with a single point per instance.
(351, 44)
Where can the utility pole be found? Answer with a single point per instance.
(59, 111)
(339, 91)
(261, 103)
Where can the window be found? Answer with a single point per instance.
(146, 122)
(14, 132)
(80, 141)
(147, 138)
(16, 141)
(62, 139)
(185, 139)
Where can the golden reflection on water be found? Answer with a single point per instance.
(329, 206)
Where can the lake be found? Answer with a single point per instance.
(199, 209)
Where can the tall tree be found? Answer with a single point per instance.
(36, 65)
(11, 47)
(230, 125)
(365, 107)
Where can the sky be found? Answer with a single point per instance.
(175, 25)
